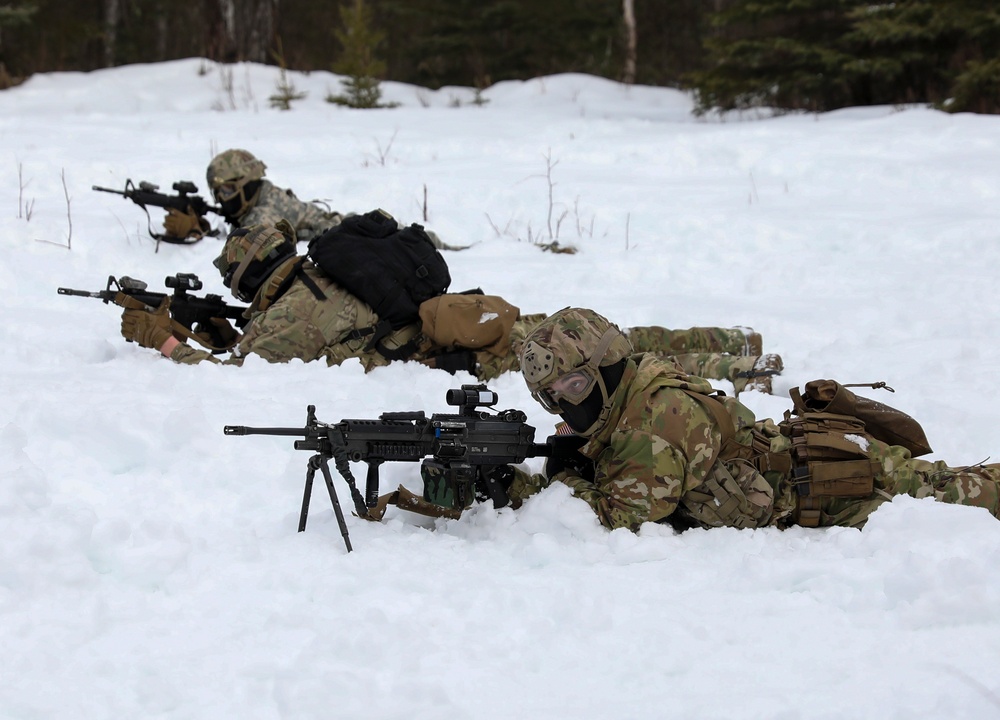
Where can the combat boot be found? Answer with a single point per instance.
(759, 376)
(754, 345)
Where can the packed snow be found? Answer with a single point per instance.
(150, 566)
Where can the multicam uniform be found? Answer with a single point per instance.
(247, 198)
(307, 218)
(298, 325)
(273, 204)
(661, 456)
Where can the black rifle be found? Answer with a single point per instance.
(148, 195)
(463, 447)
(192, 313)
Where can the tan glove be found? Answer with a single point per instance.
(219, 335)
(149, 329)
(184, 224)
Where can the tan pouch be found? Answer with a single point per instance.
(881, 421)
(830, 456)
(473, 322)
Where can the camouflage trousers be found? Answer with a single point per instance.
(899, 474)
(664, 341)
(708, 352)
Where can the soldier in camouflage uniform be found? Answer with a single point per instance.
(296, 311)
(660, 448)
(236, 179)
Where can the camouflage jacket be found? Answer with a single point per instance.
(657, 457)
(299, 325)
(274, 203)
(660, 458)
(308, 218)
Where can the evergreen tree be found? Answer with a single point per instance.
(788, 54)
(977, 88)
(478, 42)
(284, 89)
(940, 51)
(12, 16)
(358, 62)
(824, 54)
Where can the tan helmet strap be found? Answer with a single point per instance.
(602, 347)
(257, 244)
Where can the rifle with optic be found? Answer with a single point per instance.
(147, 195)
(458, 453)
(202, 319)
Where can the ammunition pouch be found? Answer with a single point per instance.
(829, 460)
(882, 422)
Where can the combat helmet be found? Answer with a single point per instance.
(251, 254)
(572, 363)
(234, 178)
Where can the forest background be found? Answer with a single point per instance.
(813, 55)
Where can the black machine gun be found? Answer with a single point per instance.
(458, 449)
(148, 195)
(193, 317)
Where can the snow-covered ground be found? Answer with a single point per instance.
(150, 566)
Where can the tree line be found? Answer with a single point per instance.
(734, 54)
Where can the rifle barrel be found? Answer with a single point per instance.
(244, 430)
(81, 293)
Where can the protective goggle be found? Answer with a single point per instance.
(573, 387)
(226, 191)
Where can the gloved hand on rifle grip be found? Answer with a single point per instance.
(218, 334)
(497, 480)
(149, 329)
(502, 474)
(566, 457)
(184, 224)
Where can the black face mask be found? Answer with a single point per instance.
(232, 209)
(581, 417)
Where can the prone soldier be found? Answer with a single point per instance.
(297, 311)
(246, 198)
(658, 446)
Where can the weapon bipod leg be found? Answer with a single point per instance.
(319, 461)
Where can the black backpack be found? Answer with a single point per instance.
(390, 268)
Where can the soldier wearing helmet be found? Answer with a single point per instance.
(573, 363)
(236, 179)
(296, 311)
(660, 446)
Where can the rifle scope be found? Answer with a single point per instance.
(187, 281)
(469, 397)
